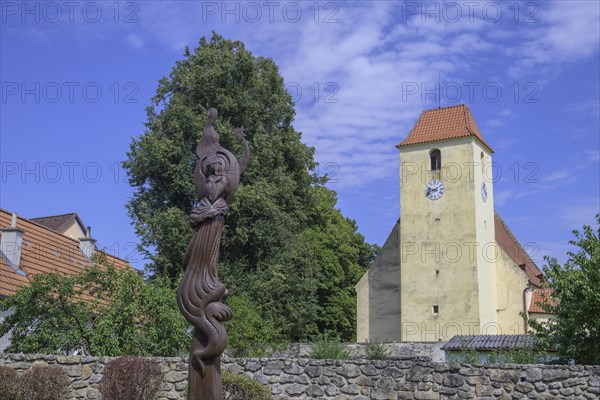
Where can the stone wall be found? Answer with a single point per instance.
(355, 379)
(405, 350)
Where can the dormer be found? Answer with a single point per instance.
(69, 225)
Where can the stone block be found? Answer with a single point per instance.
(79, 385)
(285, 378)
(315, 391)
(338, 381)
(454, 380)
(295, 389)
(273, 368)
(524, 387)
(68, 359)
(86, 372)
(174, 376)
(365, 381)
(369, 370)
(313, 371)
(383, 394)
(430, 395)
(252, 366)
(93, 394)
(331, 390)
(349, 371)
(74, 371)
(352, 389)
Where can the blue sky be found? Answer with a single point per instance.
(76, 78)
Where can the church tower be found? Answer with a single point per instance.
(450, 266)
(447, 248)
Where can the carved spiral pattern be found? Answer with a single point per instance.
(201, 295)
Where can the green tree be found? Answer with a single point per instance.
(101, 311)
(250, 335)
(574, 329)
(285, 247)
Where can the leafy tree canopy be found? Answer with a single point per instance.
(574, 329)
(285, 247)
(102, 311)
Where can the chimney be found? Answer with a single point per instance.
(10, 245)
(87, 245)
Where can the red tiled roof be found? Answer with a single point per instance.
(507, 241)
(58, 223)
(541, 296)
(444, 123)
(43, 250)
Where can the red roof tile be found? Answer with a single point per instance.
(43, 250)
(58, 223)
(541, 296)
(507, 241)
(488, 342)
(444, 123)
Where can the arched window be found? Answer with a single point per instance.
(436, 159)
(482, 162)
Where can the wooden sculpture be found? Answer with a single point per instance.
(201, 295)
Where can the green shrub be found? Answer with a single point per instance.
(9, 384)
(329, 348)
(375, 350)
(523, 355)
(468, 354)
(250, 334)
(131, 378)
(240, 387)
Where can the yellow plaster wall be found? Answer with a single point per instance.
(74, 231)
(488, 252)
(442, 235)
(511, 282)
(540, 317)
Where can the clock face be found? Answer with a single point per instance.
(484, 191)
(434, 190)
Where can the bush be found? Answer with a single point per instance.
(37, 383)
(250, 334)
(44, 383)
(9, 384)
(468, 354)
(523, 355)
(375, 350)
(131, 378)
(329, 348)
(240, 387)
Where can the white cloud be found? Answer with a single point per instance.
(370, 58)
(562, 35)
(592, 155)
(135, 41)
(494, 123)
(559, 175)
(502, 196)
(506, 113)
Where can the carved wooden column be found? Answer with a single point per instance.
(201, 295)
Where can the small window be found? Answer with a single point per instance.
(435, 157)
(436, 309)
(482, 162)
